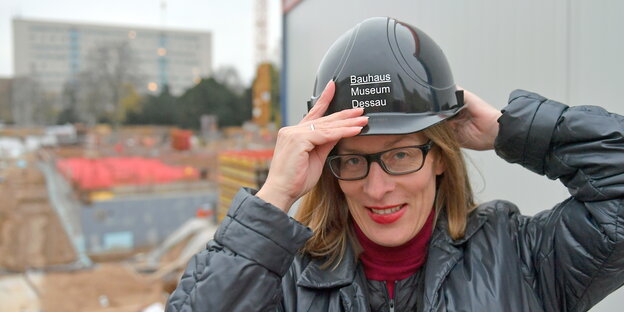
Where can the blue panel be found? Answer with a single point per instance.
(162, 62)
(118, 240)
(74, 53)
(159, 215)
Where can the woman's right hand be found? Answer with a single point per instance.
(301, 150)
(476, 126)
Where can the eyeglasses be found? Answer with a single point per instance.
(396, 161)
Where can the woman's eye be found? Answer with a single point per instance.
(400, 155)
(352, 161)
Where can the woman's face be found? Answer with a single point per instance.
(390, 209)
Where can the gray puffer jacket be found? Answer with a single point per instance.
(564, 259)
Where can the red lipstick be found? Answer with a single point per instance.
(386, 218)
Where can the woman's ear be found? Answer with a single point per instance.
(439, 165)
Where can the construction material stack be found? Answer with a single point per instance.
(248, 168)
(102, 178)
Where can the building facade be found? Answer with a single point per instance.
(55, 53)
(564, 50)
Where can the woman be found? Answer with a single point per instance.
(389, 223)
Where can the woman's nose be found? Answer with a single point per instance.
(378, 182)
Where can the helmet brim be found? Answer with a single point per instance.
(400, 123)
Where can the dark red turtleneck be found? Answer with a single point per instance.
(392, 264)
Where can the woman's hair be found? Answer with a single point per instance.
(324, 209)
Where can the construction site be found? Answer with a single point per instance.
(106, 224)
(104, 216)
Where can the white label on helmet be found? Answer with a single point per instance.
(360, 88)
(368, 103)
(369, 91)
(368, 79)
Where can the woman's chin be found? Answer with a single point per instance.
(389, 239)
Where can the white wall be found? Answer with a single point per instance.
(569, 51)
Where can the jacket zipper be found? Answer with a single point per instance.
(391, 301)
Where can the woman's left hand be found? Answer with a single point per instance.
(476, 126)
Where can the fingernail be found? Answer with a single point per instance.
(327, 85)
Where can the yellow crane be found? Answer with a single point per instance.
(261, 89)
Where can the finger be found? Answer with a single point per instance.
(332, 131)
(317, 125)
(307, 130)
(339, 123)
(469, 97)
(347, 128)
(343, 114)
(322, 103)
(324, 136)
(325, 149)
(461, 117)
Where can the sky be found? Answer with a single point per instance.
(230, 21)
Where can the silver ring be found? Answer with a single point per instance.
(312, 126)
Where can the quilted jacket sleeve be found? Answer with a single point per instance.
(242, 268)
(574, 253)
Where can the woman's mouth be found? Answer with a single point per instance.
(386, 215)
(385, 211)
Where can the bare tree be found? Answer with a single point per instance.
(228, 76)
(110, 71)
(29, 102)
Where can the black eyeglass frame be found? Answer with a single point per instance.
(376, 157)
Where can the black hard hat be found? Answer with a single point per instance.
(397, 73)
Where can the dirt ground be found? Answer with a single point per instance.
(31, 235)
(110, 287)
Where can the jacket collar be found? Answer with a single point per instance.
(444, 253)
(475, 221)
(313, 276)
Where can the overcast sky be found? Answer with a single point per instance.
(230, 22)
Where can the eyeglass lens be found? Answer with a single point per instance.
(401, 160)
